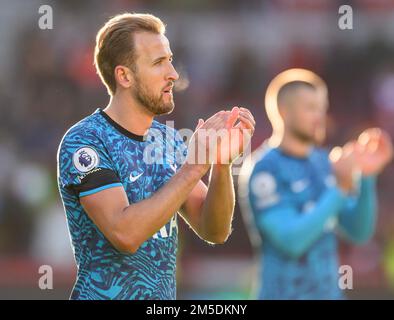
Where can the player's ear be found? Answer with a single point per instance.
(123, 77)
(282, 110)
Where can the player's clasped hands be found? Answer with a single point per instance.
(374, 150)
(368, 155)
(222, 138)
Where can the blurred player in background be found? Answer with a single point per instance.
(301, 197)
(121, 207)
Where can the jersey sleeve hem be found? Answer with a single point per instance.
(95, 190)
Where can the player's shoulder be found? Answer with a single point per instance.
(163, 127)
(320, 154)
(167, 131)
(87, 127)
(87, 131)
(265, 158)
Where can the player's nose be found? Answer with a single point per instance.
(172, 74)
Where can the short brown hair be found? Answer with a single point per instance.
(289, 88)
(115, 43)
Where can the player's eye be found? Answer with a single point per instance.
(160, 61)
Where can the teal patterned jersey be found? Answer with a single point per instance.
(97, 154)
(281, 190)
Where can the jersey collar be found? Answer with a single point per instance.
(122, 130)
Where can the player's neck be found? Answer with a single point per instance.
(295, 147)
(129, 114)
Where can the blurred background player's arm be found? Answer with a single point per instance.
(293, 232)
(372, 151)
(279, 219)
(357, 219)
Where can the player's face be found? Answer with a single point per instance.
(306, 117)
(155, 75)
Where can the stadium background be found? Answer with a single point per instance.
(227, 52)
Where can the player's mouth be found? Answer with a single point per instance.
(168, 90)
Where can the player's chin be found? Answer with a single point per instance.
(319, 138)
(166, 108)
(167, 98)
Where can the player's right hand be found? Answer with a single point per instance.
(202, 144)
(219, 139)
(374, 151)
(344, 164)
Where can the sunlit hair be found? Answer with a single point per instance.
(271, 96)
(115, 44)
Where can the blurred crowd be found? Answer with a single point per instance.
(226, 53)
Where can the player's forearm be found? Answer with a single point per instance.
(359, 220)
(139, 221)
(218, 208)
(294, 233)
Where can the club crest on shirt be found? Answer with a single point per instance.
(85, 159)
(263, 186)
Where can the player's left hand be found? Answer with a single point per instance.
(374, 150)
(344, 165)
(239, 135)
(233, 131)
